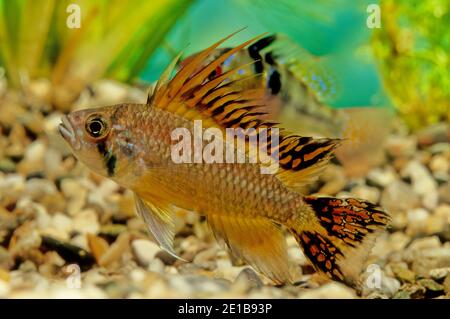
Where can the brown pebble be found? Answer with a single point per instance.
(116, 250)
(97, 245)
(430, 284)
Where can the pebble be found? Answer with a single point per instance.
(439, 274)
(39, 91)
(112, 230)
(62, 223)
(37, 188)
(76, 195)
(410, 291)
(32, 121)
(443, 211)
(399, 197)
(430, 284)
(108, 92)
(439, 165)
(335, 180)
(425, 260)
(425, 243)
(4, 289)
(86, 221)
(422, 183)
(12, 184)
(371, 194)
(438, 133)
(248, 279)
(98, 246)
(33, 158)
(389, 285)
(144, 251)
(116, 250)
(417, 220)
(42, 217)
(6, 260)
(402, 273)
(80, 240)
(444, 193)
(24, 239)
(398, 146)
(206, 258)
(52, 163)
(446, 285)
(7, 165)
(381, 177)
(156, 265)
(396, 242)
(331, 290)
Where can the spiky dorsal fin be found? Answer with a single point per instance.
(302, 159)
(192, 89)
(219, 102)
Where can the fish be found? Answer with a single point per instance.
(248, 210)
(299, 88)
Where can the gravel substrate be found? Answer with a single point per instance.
(67, 233)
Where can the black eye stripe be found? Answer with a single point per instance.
(109, 158)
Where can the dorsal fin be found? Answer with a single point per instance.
(194, 94)
(302, 159)
(192, 89)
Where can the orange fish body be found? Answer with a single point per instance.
(134, 145)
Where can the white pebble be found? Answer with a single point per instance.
(144, 250)
(4, 289)
(86, 222)
(331, 290)
(62, 223)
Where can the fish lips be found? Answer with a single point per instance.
(68, 133)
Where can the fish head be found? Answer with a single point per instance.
(90, 135)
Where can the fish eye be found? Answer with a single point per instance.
(96, 126)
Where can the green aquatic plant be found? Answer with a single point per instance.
(412, 47)
(115, 39)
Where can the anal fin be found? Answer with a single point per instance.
(257, 241)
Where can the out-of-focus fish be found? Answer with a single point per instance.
(298, 87)
(133, 145)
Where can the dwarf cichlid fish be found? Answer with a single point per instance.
(133, 145)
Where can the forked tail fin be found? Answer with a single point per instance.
(339, 236)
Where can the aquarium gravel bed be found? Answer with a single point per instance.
(65, 232)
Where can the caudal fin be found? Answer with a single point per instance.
(339, 235)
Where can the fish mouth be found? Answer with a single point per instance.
(66, 130)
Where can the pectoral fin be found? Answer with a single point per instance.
(160, 223)
(257, 241)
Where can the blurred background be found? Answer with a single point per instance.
(65, 232)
